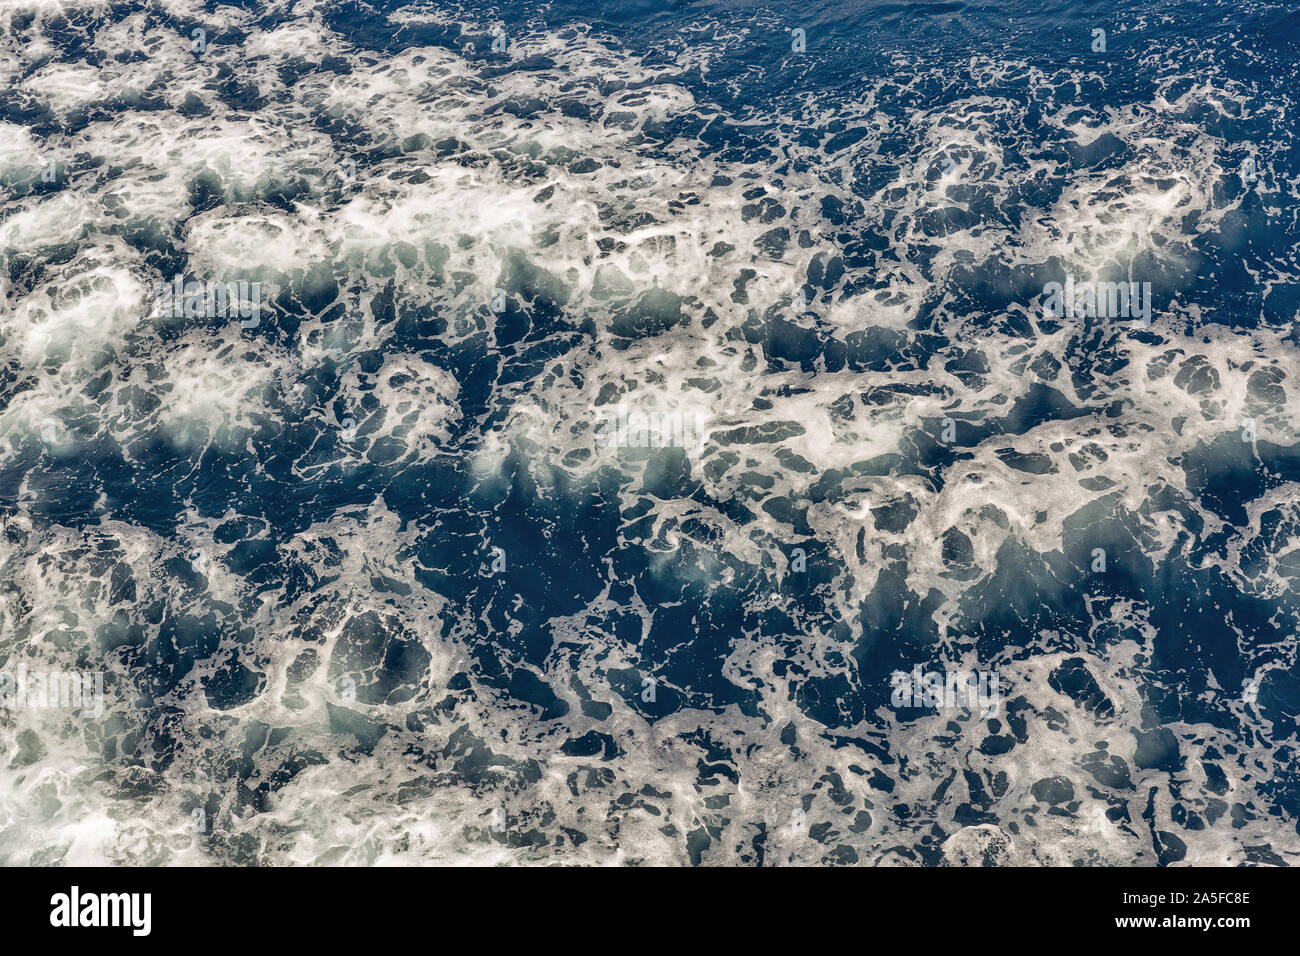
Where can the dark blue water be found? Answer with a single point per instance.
(367, 579)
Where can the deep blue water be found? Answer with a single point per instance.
(368, 579)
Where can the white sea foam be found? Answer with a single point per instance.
(665, 258)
